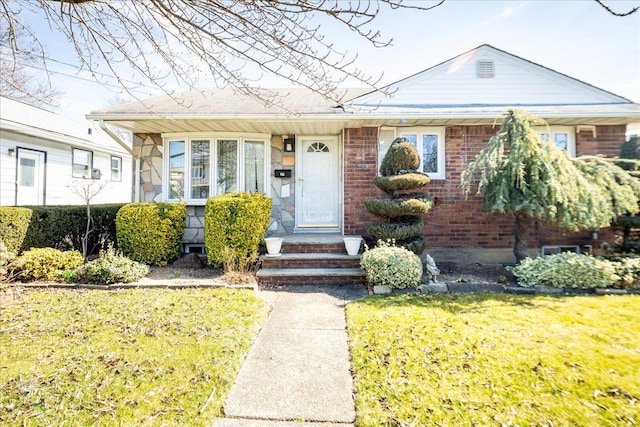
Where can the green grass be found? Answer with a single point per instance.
(467, 360)
(128, 357)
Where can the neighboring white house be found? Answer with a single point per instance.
(43, 156)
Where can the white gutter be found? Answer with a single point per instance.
(115, 137)
(136, 172)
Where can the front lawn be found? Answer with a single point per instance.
(126, 357)
(464, 359)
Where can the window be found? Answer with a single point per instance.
(82, 163)
(176, 170)
(201, 167)
(562, 136)
(116, 168)
(429, 141)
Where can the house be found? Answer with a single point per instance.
(317, 159)
(43, 156)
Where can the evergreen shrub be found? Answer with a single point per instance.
(402, 182)
(393, 208)
(234, 226)
(6, 258)
(402, 156)
(400, 231)
(151, 233)
(48, 263)
(392, 266)
(567, 270)
(59, 227)
(110, 268)
(14, 224)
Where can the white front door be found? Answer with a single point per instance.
(30, 178)
(318, 183)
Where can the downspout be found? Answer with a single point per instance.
(136, 172)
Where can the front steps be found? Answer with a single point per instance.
(310, 259)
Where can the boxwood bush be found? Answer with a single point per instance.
(110, 268)
(48, 263)
(234, 226)
(14, 223)
(392, 266)
(151, 233)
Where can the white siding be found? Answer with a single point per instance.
(58, 172)
(516, 82)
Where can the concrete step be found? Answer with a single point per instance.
(312, 243)
(310, 260)
(310, 276)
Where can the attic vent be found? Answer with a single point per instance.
(485, 69)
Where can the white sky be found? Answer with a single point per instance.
(578, 38)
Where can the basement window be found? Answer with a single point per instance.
(485, 69)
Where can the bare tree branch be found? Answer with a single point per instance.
(614, 13)
(165, 41)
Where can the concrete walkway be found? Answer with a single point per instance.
(298, 369)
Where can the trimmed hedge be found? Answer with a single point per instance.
(151, 232)
(402, 156)
(60, 227)
(14, 223)
(234, 226)
(402, 182)
(395, 231)
(393, 208)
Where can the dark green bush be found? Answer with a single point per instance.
(395, 231)
(110, 268)
(60, 227)
(48, 263)
(14, 223)
(151, 232)
(402, 156)
(402, 182)
(234, 226)
(393, 208)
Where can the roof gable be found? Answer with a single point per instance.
(516, 82)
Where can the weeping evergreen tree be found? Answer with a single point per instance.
(401, 181)
(630, 161)
(531, 179)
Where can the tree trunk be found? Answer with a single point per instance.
(520, 230)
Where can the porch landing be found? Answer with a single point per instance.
(310, 259)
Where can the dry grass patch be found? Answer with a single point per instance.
(466, 360)
(126, 357)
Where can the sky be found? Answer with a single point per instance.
(578, 38)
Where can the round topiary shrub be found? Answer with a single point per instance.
(48, 263)
(392, 266)
(110, 268)
(402, 156)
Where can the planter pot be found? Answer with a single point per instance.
(352, 244)
(273, 245)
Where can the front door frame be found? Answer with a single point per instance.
(43, 171)
(337, 140)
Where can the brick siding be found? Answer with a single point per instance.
(456, 222)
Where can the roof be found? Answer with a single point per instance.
(25, 119)
(446, 94)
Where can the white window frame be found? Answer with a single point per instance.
(419, 131)
(118, 170)
(86, 175)
(553, 130)
(213, 139)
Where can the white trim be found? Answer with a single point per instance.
(440, 132)
(213, 139)
(570, 131)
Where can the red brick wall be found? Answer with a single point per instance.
(455, 222)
